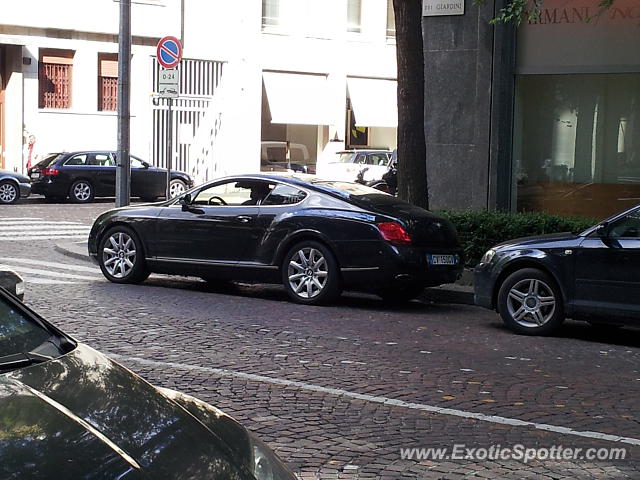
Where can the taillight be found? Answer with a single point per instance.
(394, 233)
(50, 171)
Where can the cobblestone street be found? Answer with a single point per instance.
(338, 391)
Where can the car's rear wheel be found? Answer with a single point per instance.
(530, 302)
(176, 187)
(81, 191)
(310, 273)
(9, 193)
(121, 256)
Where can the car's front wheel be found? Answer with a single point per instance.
(81, 191)
(9, 193)
(121, 256)
(176, 187)
(530, 302)
(310, 273)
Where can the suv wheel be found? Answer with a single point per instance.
(530, 302)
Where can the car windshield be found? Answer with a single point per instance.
(23, 341)
(346, 158)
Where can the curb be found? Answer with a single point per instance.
(73, 250)
(449, 294)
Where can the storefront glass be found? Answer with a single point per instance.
(577, 143)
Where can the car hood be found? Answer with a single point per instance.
(540, 241)
(84, 416)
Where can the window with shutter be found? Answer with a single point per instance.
(54, 76)
(108, 81)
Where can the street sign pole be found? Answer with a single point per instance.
(123, 168)
(169, 54)
(169, 147)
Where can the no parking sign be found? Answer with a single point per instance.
(169, 52)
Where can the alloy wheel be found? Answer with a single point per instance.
(82, 191)
(176, 188)
(119, 255)
(8, 193)
(531, 303)
(307, 272)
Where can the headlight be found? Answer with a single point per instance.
(488, 256)
(266, 465)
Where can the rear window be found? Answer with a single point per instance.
(49, 160)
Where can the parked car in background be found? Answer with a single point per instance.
(13, 186)
(316, 237)
(534, 283)
(348, 164)
(274, 157)
(70, 412)
(83, 175)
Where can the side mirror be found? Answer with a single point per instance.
(185, 201)
(602, 230)
(12, 282)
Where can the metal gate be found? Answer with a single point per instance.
(199, 85)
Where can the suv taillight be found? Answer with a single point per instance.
(394, 233)
(50, 171)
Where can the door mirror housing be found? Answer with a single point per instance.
(602, 230)
(185, 201)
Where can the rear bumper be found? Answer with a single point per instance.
(404, 266)
(47, 187)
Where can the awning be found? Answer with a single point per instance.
(374, 102)
(298, 98)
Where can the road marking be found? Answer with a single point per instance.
(65, 266)
(36, 222)
(385, 400)
(46, 273)
(23, 228)
(20, 218)
(34, 237)
(48, 281)
(75, 231)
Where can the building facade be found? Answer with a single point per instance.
(259, 80)
(544, 117)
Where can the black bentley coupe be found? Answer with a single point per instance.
(316, 237)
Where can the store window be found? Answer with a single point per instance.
(354, 16)
(108, 81)
(270, 13)
(54, 78)
(577, 143)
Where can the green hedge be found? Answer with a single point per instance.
(480, 230)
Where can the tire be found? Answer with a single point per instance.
(81, 191)
(9, 193)
(303, 269)
(117, 245)
(530, 302)
(176, 187)
(396, 295)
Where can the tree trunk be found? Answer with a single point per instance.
(412, 167)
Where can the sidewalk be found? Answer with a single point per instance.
(459, 292)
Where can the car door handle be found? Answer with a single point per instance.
(243, 218)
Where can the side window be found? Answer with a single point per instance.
(284, 195)
(77, 160)
(250, 192)
(136, 163)
(627, 227)
(101, 160)
(360, 159)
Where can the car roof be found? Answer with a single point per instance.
(365, 150)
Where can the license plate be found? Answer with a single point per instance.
(442, 259)
(35, 175)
